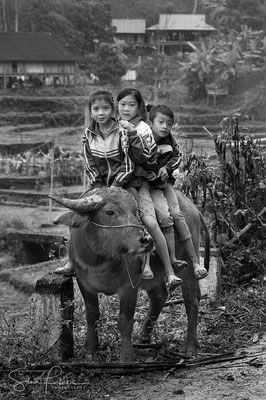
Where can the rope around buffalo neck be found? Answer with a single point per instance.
(117, 226)
(129, 276)
(123, 226)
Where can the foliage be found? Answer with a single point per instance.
(76, 24)
(38, 163)
(233, 194)
(151, 68)
(221, 59)
(108, 65)
(149, 9)
(197, 67)
(230, 15)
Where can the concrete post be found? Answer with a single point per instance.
(53, 314)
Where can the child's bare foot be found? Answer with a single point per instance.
(173, 282)
(147, 274)
(67, 270)
(200, 272)
(146, 268)
(178, 265)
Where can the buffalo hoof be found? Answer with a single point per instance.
(127, 356)
(91, 345)
(88, 357)
(189, 350)
(144, 340)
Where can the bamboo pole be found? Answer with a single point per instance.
(86, 124)
(51, 185)
(247, 227)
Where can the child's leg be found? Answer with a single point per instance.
(183, 232)
(148, 216)
(169, 234)
(141, 198)
(162, 250)
(166, 223)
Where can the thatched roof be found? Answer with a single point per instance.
(25, 46)
(182, 22)
(130, 26)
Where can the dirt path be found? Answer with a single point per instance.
(236, 381)
(243, 379)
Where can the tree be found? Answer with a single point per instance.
(4, 15)
(91, 21)
(108, 66)
(232, 14)
(7, 16)
(149, 9)
(223, 59)
(76, 24)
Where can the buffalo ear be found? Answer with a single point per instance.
(70, 218)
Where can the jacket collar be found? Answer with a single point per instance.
(93, 128)
(134, 121)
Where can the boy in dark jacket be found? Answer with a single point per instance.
(162, 191)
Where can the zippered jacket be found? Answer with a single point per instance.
(142, 146)
(106, 161)
(168, 153)
(169, 156)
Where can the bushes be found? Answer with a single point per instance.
(48, 119)
(223, 59)
(232, 195)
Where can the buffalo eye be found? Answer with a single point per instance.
(109, 212)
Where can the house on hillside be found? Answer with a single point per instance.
(130, 30)
(177, 32)
(35, 59)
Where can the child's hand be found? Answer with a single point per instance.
(163, 174)
(127, 125)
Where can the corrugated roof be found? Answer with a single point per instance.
(32, 47)
(130, 25)
(179, 22)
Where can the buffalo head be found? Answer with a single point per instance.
(104, 223)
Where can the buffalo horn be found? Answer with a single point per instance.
(80, 205)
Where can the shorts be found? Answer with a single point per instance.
(164, 217)
(146, 206)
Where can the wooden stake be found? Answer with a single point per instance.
(247, 227)
(51, 185)
(86, 124)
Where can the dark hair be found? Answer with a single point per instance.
(138, 96)
(101, 95)
(165, 110)
(149, 107)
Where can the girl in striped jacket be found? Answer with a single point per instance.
(143, 151)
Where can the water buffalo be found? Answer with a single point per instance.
(106, 244)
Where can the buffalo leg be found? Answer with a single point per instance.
(157, 297)
(191, 295)
(125, 324)
(92, 316)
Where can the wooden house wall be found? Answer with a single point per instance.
(50, 73)
(131, 37)
(24, 68)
